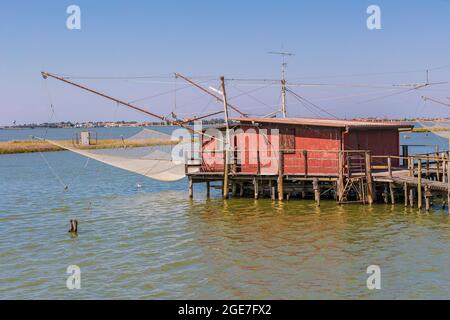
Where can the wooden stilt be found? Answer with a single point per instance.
(448, 186)
(316, 191)
(191, 188)
(272, 190)
(241, 189)
(419, 184)
(256, 188)
(411, 197)
(208, 189)
(340, 183)
(391, 191)
(385, 194)
(427, 199)
(405, 193)
(369, 178)
(233, 189)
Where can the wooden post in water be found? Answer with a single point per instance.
(272, 190)
(241, 189)
(191, 188)
(391, 190)
(419, 184)
(316, 191)
(280, 175)
(340, 182)
(233, 188)
(448, 186)
(405, 193)
(256, 188)
(427, 198)
(411, 197)
(369, 178)
(208, 189)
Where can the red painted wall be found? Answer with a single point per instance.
(321, 145)
(379, 142)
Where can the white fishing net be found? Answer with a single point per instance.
(439, 128)
(148, 153)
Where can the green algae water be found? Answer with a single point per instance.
(144, 239)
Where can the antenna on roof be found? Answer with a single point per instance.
(283, 78)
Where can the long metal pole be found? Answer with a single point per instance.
(210, 93)
(227, 141)
(45, 75)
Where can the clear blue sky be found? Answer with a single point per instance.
(213, 38)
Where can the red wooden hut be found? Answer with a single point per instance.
(304, 146)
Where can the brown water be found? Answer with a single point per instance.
(154, 243)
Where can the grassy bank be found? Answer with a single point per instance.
(437, 129)
(27, 146)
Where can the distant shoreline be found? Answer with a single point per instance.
(31, 146)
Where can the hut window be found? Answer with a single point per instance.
(287, 139)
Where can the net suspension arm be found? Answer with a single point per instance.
(46, 75)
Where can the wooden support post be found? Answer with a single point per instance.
(389, 163)
(419, 184)
(411, 197)
(405, 156)
(427, 167)
(405, 193)
(256, 188)
(208, 189)
(411, 167)
(385, 194)
(448, 186)
(340, 182)
(427, 199)
(444, 169)
(369, 178)
(391, 191)
(438, 166)
(280, 176)
(233, 188)
(241, 189)
(191, 188)
(316, 191)
(272, 190)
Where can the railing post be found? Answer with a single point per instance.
(405, 155)
(369, 178)
(389, 163)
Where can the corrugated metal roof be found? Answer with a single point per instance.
(329, 122)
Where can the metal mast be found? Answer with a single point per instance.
(283, 78)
